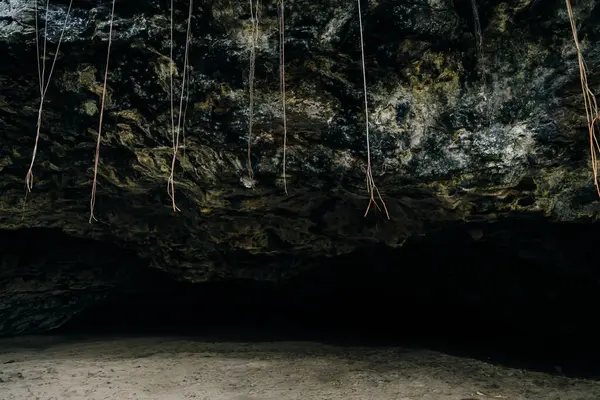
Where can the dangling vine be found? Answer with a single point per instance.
(97, 155)
(282, 85)
(589, 100)
(371, 187)
(175, 130)
(187, 102)
(43, 84)
(170, 189)
(254, 20)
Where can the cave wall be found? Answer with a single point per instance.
(457, 135)
(47, 277)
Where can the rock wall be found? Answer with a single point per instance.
(461, 129)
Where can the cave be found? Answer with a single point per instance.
(398, 197)
(519, 292)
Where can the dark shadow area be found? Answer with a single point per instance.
(522, 293)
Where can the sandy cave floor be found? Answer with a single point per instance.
(169, 368)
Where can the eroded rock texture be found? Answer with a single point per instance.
(457, 135)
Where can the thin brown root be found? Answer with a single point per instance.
(589, 100)
(43, 73)
(171, 66)
(187, 102)
(372, 200)
(371, 187)
(171, 181)
(282, 85)
(254, 18)
(97, 155)
(42, 81)
(37, 47)
(41, 77)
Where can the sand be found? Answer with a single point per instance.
(171, 368)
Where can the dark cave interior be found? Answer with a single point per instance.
(522, 292)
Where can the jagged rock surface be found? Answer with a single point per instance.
(455, 135)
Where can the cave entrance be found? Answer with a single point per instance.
(520, 292)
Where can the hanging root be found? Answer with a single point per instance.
(187, 102)
(372, 201)
(371, 187)
(589, 100)
(97, 155)
(282, 85)
(180, 114)
(43, 84)
(254, 16)
(170, 183)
